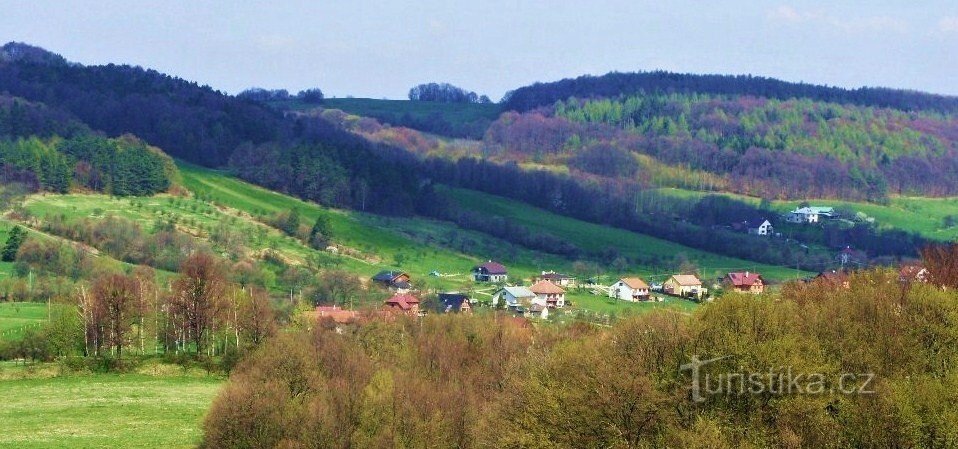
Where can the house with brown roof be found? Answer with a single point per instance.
(490, 272)
(835, 278)
(562, 280)
(403, 303)
(684, 285)
(548, 295)
(630, 289)
(336, 313)
(395, 280)
(745, 282)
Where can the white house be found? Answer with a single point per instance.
(514, 297)
(548, 295)
(765, 228)
(629, 289)
(813, 214)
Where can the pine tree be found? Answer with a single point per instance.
(16, 238)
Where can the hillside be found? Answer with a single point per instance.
(457, 120)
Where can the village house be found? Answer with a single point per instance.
(687, 285)
(755, 226)
(745, 282)
(562, 280)
(403, 303)
(397, 281)
(490, 272)
(548, 295)
(513, 297)
(913, 272)
(337, 314)
(538, 311)
(809, 214)
(835, 278)
(455, 302)
(630, 289)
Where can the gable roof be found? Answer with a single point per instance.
(635, 283)
(337, 314)
(491, 267)
(686, 279)
(546, 288)
(403, 302)
(387, 275)
(553, 276)
(744, 279)
(519, 292)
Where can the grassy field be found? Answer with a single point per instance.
(15, 317)
(605, 305)
(925, 216)
(593, 237)
(105, 411)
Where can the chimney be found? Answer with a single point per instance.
(746, 273)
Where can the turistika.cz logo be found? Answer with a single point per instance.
(778, 381)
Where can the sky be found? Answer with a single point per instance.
(381, 49)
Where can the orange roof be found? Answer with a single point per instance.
(687, 279)
(337, 314)
(635, 283)
(744, 279)
(546, 288)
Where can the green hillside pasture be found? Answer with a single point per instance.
(925, 216)
(596, 238)
(605, 305)
(105, 410)
(417, 246)
(16, 317)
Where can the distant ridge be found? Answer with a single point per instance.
(20, 52)
(614, 84)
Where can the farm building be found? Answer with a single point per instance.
(630, 289)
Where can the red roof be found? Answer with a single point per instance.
(745, 279)
(491, 267)
(403, 302)
(337, 314)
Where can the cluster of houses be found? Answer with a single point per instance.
(547, 292)
(801, 215)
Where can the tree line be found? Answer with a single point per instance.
(495, 381)
(615, 84)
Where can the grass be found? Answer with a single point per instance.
(924, 216)
(595, 238)
(16, 317)
(606, 305)
(105, 410)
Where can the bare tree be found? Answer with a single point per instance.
(197, 299)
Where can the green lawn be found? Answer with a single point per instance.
(593, 237)
(15, 317)
(606, 305)
(105, 411)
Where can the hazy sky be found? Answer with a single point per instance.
(381, 49)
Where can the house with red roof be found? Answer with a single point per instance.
(630, 289)
(490, 272)
(745, 282)
(403, 303)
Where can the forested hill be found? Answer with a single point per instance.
(615, 84)
(304, 156)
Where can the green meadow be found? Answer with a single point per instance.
(16, 317)
(105, 411)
